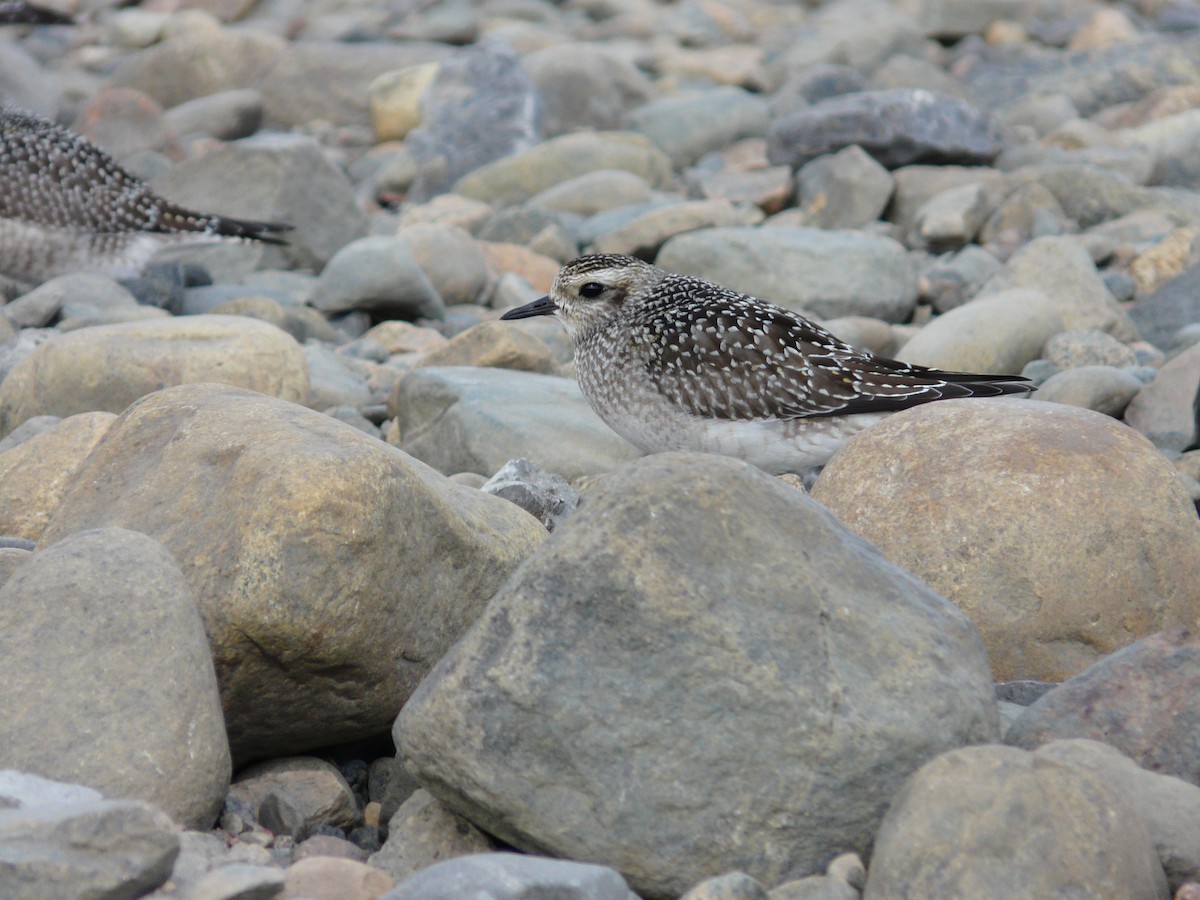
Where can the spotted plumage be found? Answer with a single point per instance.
(66, 205)
(673, 362)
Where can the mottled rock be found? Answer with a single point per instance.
(423, 832)
(1105, 389)
(294, 795)
(460, 419)
(897, 127)
(35, 475)
(1138, 699)
(999, 822)
(1004, 507)
(108, 367)
(100, 637)
(557, 684)
(1071, 349)
(548, 497)
(828, 273)
(266, 500)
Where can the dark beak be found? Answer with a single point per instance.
(543, 306)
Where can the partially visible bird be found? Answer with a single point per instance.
(66, 205)
(673, 362)
(17, 12)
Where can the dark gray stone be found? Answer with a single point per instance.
(897, 127)
(509, 876)
(543, 494)
(480, 107)
(1176, 304)
(1022, 693)
(629, 656)
(378, 274)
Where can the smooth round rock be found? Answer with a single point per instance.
(1063, 534)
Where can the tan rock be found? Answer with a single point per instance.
(496, 344)
(1104, 28)
(424, 832)
(404, 337)
(35, 474)
(538, 270)
(394, 100)
(1063, 534)
(333, 878)
(110, 366)
(305, 541)
(311, 790)
(1163, 261)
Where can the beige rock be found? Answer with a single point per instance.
(1062, 533)
(305, 541)
(35, 474)
(1104, 28)
(538, 270)
(1162, 410)
(332, 878)
(404, 337)
(452, 260)
(394, 100)
(423, 832)
(311, 791)
(994, 821)
(496, 344)
(110, 366)
(647, 233)
(1163, 261)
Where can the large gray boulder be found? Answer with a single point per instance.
(701, 671)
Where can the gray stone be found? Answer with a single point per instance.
(917, 185)
(460, 419)
(30, 428)
(643, 235)
(24, 83)
(294, 795)
(380, 275)
(451, 259)
(828, 273)
(686, 127)
(1168, 806)
(262, 501)
(844, 879)
(814, 84)
(55, 842)
(100, 636)
(277, 177)
(1164, 410)
(517, 178)
(548, 718)
(1174, 305)
(847, 189)
(69, 295)
(424, 832)
(1105, 389)
(544, 495)
(509, 876)
(594, 192)
(480, 107)
(226, 115)
(897, 127)
(238, 881)
(584, 86)
(1031, 211)
(1071, 349)
(732, 886)
(952, 280)
(334, 379)
(320, 81)
(999, 822)
(952, 218)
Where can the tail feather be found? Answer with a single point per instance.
(179, 220)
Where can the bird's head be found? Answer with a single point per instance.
(590, 291)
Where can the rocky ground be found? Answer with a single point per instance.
(282, 516)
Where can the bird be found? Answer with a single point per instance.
(67, 206)
(675, 362)
(17, 12)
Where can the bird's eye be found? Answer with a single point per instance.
(591, 290)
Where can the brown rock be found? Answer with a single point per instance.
(35, 474)
(305, 540)
(331, 878)
(110, 366)
(1162, 410)
(538, 270)
(994, 821)
(296, 794)
(424, 832)
(495, 344)
(1063, 534)
(328, 845)
(404, 337)
(1144, 700)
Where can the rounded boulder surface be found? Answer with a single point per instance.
(999, 822)
(35, 474)
(332, 570)
(1062, 533)
(107, 367)
(107, 675)
(1141, 700)
(696, 615)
